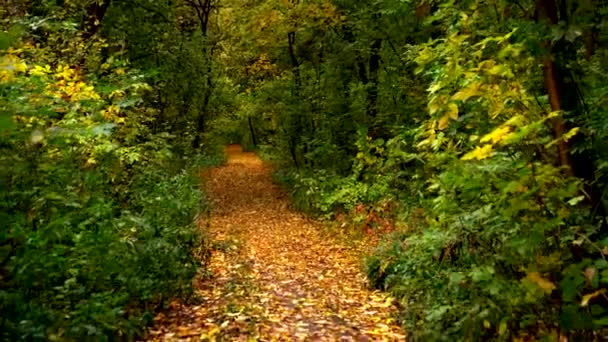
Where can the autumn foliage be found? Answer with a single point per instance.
(467, 138)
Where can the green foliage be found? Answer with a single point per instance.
(98, 203)
(472, 133)
(494, 168)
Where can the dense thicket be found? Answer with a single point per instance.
(474, 131)
(100, 141)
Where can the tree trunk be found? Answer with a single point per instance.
(563, 96)
(295, 138)
(295, 64)
(547, 11)
(202, 120)
(374, 66)
(253, 139)
(95, 13)
(203, 11)
(554, 87)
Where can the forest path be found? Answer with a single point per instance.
(276, 275)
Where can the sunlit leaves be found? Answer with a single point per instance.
(479, 153)
(450, 114)
(40, 71)
(497, 135)
(10, 66)
(468, 92)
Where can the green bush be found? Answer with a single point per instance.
(90, 267)
(97, 211)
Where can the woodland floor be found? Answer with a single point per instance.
(276, 275)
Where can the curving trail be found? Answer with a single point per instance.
(276, 276)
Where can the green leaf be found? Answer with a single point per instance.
(576, 200)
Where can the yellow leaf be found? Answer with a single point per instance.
(389, 302)
(496, 107)
(479, 153)
(497, 135)
(443, 122)
(570, 134)
(541, 282)
(6, 76)
(468, 92)
(588, 297)
(21, 67)
(40, 70)
(516, 121)
(435, 87)
(211, 335)
(436, 103)
(452, 111)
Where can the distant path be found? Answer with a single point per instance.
(276, 276)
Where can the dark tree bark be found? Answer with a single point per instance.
(362, 69)
(546, 11)
(295, 64)
(203, 10)
(563, 96)
(374, 66)
(252, 130)
(95, 13)
(295, 134)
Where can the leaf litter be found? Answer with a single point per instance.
(275, 274)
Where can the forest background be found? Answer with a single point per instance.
(469, 135)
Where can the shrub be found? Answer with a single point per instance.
(98, 223)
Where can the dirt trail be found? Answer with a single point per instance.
(275, 275)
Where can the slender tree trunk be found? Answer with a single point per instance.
(295, 138)
(362, 69)
(295, 64)
(563, 96)
(203, 10)
(374, 66)
(554, 87)
(293, 150)
(547, 12)
(95, 13)
(253, 138)
(201, 122)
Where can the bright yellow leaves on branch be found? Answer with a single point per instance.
(10, 65)
(450, 110)
(479, 153)
(588, 297)
(112, 113)
(40, 71)
(467, 92)
(451, 113)
(64, 82)
(69, 85)
(495, 137)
